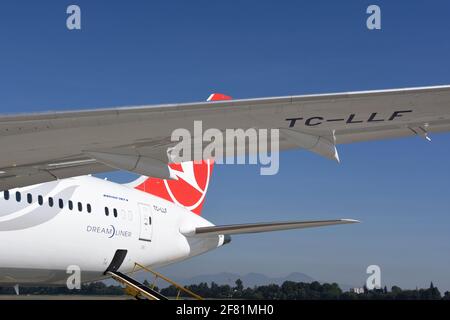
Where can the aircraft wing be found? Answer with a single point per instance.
(37, 148)
(261, 227)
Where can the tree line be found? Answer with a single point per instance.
(288, 290)
(307, 291)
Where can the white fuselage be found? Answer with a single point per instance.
(43, 232)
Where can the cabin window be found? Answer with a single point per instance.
(70, 205)
(6, 195)
(29, 198)
(106, 211)
(80, 207)
(61, 203)
(115, 213)
(18, 196)
(40, 200)
(89, 208)
(50, 202)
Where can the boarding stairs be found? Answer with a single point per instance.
(135, 288)
(138, 289)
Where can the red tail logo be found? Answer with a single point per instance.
(189, 190)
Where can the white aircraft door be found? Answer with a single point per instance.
(146, 232)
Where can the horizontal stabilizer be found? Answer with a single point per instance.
(262, 227)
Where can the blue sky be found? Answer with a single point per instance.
(142, 52)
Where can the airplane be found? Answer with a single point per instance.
(55, 214)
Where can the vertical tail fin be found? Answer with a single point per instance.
(188, 190)
(190, 187)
